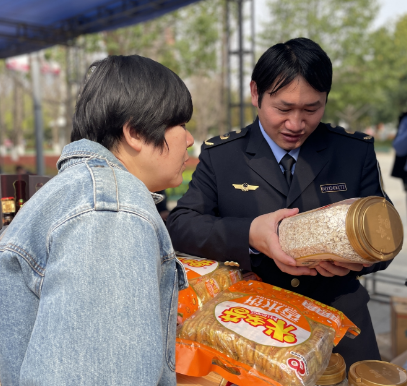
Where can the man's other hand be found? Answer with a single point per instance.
(263, 237)
(328, 269)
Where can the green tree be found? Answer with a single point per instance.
(340, 27)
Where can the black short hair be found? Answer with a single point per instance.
(134, 90)
(283, 62)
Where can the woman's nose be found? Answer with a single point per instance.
(190, 139)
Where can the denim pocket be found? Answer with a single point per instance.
(172, 324)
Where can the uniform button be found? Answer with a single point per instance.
(295, 282)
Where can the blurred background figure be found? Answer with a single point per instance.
(400, 145)
(21, 170)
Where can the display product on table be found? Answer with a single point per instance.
(335, 373)
(376, 373)
(206, 278)
(357, 230)
(255, 334)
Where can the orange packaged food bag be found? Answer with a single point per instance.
(255, 334)
(206, 278)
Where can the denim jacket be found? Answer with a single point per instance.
(88, 280)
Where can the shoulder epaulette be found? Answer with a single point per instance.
(221, 139)
(350, 133)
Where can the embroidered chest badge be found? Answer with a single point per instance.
(333, 188)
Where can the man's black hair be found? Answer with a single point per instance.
(283, 62)
(134, 90)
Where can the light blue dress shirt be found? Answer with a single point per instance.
(279, 153)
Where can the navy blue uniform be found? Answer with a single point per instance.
(213, 218)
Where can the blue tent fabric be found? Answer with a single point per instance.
(30, 25)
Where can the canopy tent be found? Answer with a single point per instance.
(30, 25)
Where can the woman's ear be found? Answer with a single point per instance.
(132, 138)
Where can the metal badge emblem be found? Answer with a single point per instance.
(350, 131)
(225, 136)
(332, 188)
(208, 143)
(238, 131)
(368, 137)
(245, 187)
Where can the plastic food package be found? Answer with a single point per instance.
(255, 334)
(357, 230)
(207, 278)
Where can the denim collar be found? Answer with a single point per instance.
(85, 148)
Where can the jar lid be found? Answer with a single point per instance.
(335, 372)
(7, 198)
(374, 229)
(377, 373)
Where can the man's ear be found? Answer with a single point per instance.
(254, 93)
(132, 138)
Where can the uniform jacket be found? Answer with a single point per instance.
(89, 280)
(213, 218)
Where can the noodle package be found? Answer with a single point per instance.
(257, 334)
(207, 278)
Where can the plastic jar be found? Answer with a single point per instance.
(335, 373)
(357, 230)
(376, 373)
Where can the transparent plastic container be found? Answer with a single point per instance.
(357, 230)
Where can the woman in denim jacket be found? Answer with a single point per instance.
(89, 279)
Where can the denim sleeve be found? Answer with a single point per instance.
(99, 319)
(18, 309)
(400, 142)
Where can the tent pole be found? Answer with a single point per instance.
(39, 129)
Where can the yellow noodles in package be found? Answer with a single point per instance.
(255, 334)
(207, 278)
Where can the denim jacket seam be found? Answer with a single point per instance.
(131, 210)
(26, 256)
(117, 188)
(168, 257)
(94, 184)
(86, 154)
(75, 163)
(57, 225)
(170, 363)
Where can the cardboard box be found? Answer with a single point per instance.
(398, 325)
(401, 360)
(212, 379)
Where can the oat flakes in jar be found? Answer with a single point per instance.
(376, 373)
(357, 230)
(335, 373)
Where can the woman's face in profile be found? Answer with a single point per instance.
(167, 165)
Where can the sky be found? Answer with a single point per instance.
(389, 11)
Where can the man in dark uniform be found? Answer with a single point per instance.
(286, 159)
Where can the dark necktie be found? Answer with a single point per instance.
(287, 163)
